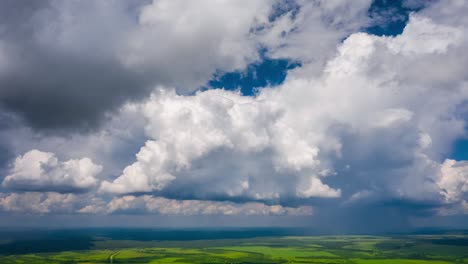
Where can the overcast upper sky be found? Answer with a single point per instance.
(347, 115)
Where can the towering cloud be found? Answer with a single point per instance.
(363, 122)
(370, 122)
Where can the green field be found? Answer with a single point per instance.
(295, 249)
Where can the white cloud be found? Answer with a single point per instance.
(317, 189)
(311, 32)
(453, 180)
(364, 194)
(391, 117)
(165, 206)
(36, 202)
(185, 130)
(424, 36)
(42, 171)
(196, 38)
(368, 110)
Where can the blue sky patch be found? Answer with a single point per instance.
(389, 17)
(460, 150)
(267, 72)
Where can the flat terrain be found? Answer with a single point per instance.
(416, 249)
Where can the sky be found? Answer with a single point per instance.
(348, 116)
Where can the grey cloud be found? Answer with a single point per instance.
(69, 64)
(55, 82)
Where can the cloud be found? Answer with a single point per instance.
(78, 61)
(369, 122)
(62, 57)
(364, 124)
(35, 202)
(307, 32)
(57, 203)
(453, 181)
(199, 39)
(190, 133)
(163, 206)
(42, 171)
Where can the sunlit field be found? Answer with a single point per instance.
(438, 249)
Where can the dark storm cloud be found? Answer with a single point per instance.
(55, 92)
(65, 64)
(55, 86)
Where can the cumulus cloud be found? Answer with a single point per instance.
(163, 206)
(453, 181)
(42, 171)
(36, 202)
(369, 121)
(192, 132)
